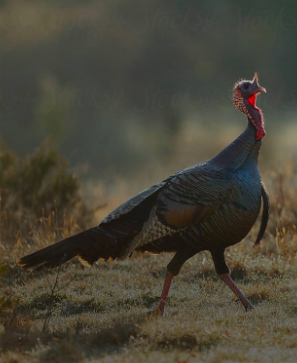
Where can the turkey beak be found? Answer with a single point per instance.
(256, 87)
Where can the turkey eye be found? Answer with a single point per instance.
(245, 86)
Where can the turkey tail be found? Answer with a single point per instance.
(265, 215)
(89, 246)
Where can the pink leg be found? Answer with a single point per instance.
(245, 302)
(168, 278)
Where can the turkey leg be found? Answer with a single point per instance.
(230, 283)
(173, 269)
(168, 278)
(223, 271)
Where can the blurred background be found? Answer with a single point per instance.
(135, 90)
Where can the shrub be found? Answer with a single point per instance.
(37, 189)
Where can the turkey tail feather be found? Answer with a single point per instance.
(89, 246)
(265, 214)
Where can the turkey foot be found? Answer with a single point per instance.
(231, 284)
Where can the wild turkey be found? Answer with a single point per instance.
(208, 206)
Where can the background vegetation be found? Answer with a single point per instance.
(117, 83)
(101, 99)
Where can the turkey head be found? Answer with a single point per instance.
(244, 98)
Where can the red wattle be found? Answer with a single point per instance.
(260, 133)
(252, 100)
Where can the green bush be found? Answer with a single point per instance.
(36, 188)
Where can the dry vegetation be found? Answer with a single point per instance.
(74, 314)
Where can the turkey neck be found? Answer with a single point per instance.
(235, 154)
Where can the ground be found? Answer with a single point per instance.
(104, 313)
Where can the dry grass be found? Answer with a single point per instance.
(103, 314)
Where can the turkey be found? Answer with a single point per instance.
(209, 206)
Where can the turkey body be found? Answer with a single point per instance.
(235, 210)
